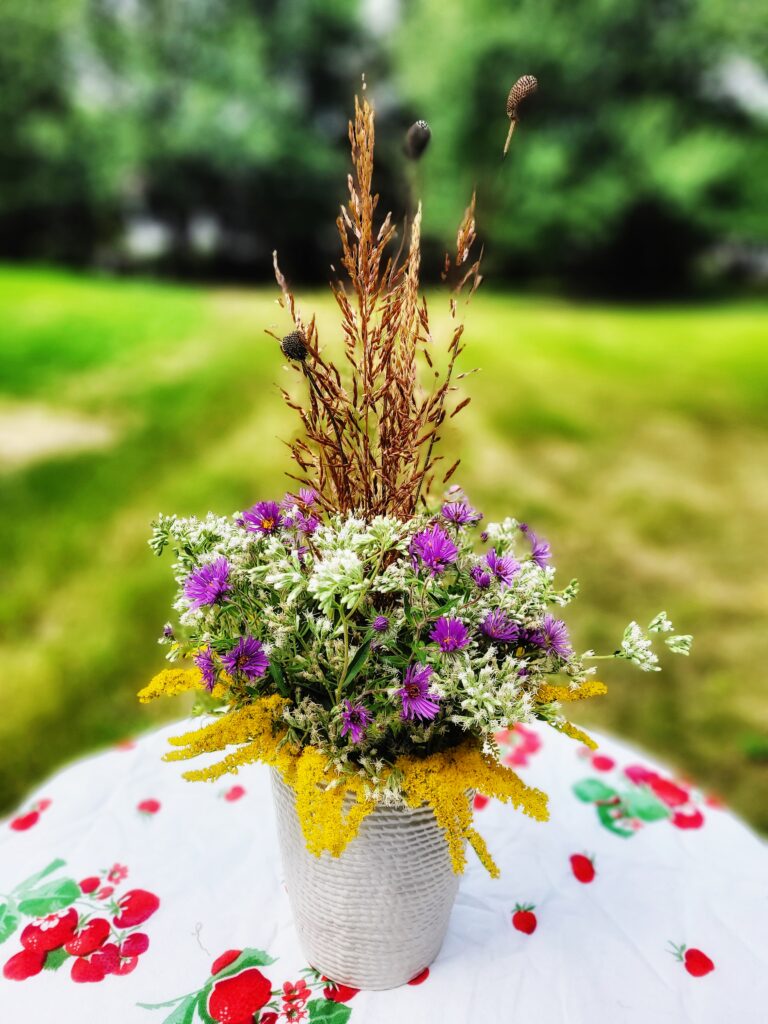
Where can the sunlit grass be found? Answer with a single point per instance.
(634, 439)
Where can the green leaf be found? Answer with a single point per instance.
(280, 684)
(30, 883)
(641, 803)
(54, 959)
(184, 1012)
(611, 823)
(248, 958)
(592, 790)
(49, 898)
(202, 1005)
(325, 1011)
(9, 920)
(358, 662)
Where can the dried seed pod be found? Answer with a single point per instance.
(417, 139)
(294, 346)
(524, 87)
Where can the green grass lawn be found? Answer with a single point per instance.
(636, 440)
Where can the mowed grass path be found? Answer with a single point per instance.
(635, 440)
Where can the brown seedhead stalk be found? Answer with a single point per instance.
(369, 435)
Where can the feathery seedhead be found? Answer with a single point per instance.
(524, 87)
(294, 346)
(417, 139)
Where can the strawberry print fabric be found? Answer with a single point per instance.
(131, 896)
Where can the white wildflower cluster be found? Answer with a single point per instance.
(637, 644)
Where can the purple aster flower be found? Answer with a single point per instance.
(380, 623)
(355, 719)
(435, 549)
(461, 513)
(481, 577)
(503, 567)
(246, 657)
(497, 626)
(168, 631)
(418, 702)
(208, 584)
(308, 495)
(449, 634)
(204, 661)
(305, 524)
(553, 637)
(541, 553)
(265, 517)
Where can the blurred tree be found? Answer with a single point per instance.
(198, 135)
(214, 126)
(637, 152)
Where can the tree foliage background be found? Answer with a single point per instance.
(194, 136)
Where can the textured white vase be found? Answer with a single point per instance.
(376, 916)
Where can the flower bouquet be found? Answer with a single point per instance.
(364, 640)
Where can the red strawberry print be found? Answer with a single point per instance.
(126, 965)
(693, 820)
(25, 821)
(225, 960)
(135, 945)
(84, 971)
(420, 977)
(50, 932)
(234, 793)
(582, 867)
(90, 884)
(135, 907)
(105, 892)
(338, 993)
(603, 763)
(524, 919)
(479, 802)
(107, 959)
(668, 792)
(638, 774)
(235, 1000)
(696, 963)
(268, 1018)
(148, 807)
(25, 964)
(89, 938)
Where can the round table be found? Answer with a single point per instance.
(134, 896)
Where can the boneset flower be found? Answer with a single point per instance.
(417, 701)
(209, 584)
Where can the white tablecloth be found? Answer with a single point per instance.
(648, 903)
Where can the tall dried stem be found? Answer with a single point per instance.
(369, 436)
